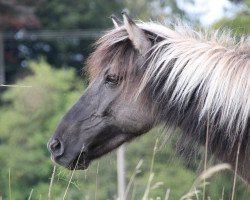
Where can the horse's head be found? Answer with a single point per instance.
(106, 115)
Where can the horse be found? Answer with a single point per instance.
(144, 74)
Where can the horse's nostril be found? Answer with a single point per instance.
(56, 147)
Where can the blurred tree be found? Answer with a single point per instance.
(67, 15)
(155, 10)
(238, 24)
(17, 14)
(63, 14)
(80, 14)
(57, 15)
(27, 119)
(237, 1)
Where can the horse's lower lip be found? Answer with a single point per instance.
(81, 162)
(79, 166)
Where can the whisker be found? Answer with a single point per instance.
(72, 174)
(20, 86)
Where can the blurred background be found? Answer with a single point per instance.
(43, 47)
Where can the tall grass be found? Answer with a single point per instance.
(151, 173)
(195, 193)
(199, 182)
(236, 168)
(21, 86)
(72, 174)
(51, 183)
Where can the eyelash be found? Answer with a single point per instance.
(112, 80)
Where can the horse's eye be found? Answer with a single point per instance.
(112, 80)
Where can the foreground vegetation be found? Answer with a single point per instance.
(29, 116)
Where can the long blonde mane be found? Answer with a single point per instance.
(213, 66)
(209, 70)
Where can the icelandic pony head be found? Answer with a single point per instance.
(145, 74)
(105, 116)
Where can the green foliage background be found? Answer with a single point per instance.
(239, 24)
(27, 119)
(29, 115)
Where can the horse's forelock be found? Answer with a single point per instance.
(115, 51)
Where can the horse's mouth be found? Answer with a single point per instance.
(83, 160)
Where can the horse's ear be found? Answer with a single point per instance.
(136, 35)
(116, 21)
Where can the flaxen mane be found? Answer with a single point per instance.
(195, 79)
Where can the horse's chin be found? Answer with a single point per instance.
(80, 166)
(81, 162)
